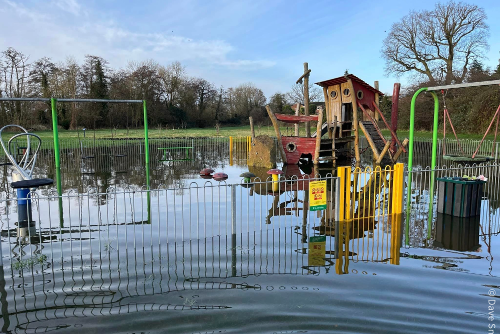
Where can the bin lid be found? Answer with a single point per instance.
(459, 180)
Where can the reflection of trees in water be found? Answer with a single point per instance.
(108, 163)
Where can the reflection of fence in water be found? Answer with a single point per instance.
(114, 247)
(113, 281)
(106, 161)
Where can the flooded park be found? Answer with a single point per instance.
(205, 256)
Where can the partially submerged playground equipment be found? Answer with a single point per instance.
(53, 102)
(462, 159)
(344, 96)
(22, 175)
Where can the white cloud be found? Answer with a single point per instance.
(70, 6)
(41, 34)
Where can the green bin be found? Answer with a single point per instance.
(459, 197)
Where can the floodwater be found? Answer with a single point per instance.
(183, 259)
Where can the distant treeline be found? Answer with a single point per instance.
(179, 101)
(173, 98)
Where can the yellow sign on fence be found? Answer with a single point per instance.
(317, 195)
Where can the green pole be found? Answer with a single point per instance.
(146, 135)
(57, 153)
(410, 158)
(146, 158)
(59, 191)
(433, 162)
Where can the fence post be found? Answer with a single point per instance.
(337, 199)
(344, 193)
(233, 230)
(397, 188)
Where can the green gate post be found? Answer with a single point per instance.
(433, 161)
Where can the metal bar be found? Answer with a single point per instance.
(233, 209)
(486, 133)
(100, 100)
(387, 125)
(53, 103)
(468, 84)
(146, 141)
(5, 99)
(433, 160)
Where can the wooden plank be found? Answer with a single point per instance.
(335, 102)
(400, 150)
(278, 134)
(370, 142)
(384, 151)
(333, 137)
(355, 121)
(295, 119)
(327, 108)
(318, 136)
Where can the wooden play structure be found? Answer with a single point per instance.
(344, 96)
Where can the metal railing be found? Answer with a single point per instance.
(423, 225)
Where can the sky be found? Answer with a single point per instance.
(226, 42)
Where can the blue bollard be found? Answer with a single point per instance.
(23, 207)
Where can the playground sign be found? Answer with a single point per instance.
(317, 195)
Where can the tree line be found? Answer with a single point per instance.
(173, 98)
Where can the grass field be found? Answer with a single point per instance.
(236, 131)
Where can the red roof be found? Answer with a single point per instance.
(342, 79)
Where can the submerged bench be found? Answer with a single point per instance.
(186, 148)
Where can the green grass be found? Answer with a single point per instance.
(29, 262)
(235, 131)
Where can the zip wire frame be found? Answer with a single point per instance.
(53, 103)
(432, 91)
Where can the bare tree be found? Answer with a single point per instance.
(296, 94)
(15, 70)
(172, 77)
(439, 44)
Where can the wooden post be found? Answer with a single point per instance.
(384, 151)
(333, 139)
(278, 134)
(394, 115)
(327, 110)
(252, 130)
(296, 125)
(377, 97)
(318, 136)
(400, 150)
(306, 98)
(355, 122)
(371, 143)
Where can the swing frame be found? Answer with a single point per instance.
(465, 158)
(432, 91)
